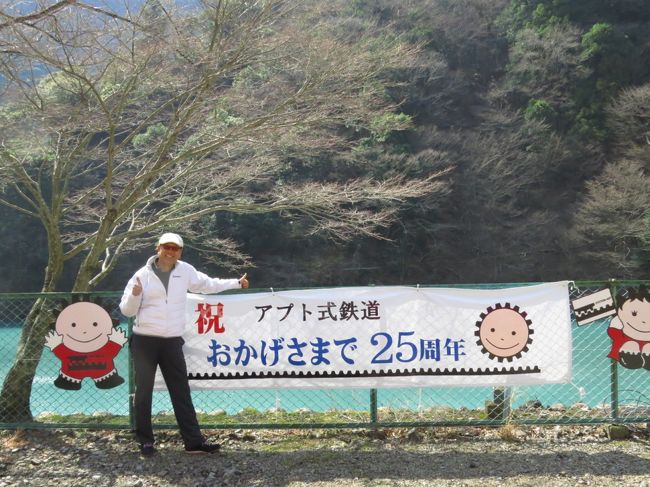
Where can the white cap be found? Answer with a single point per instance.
(173, 238)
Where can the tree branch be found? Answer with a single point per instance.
(36, 16)
(26, 19)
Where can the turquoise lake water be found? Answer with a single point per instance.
(590, 384)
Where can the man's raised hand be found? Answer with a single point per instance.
(243, 282)
(137, 287)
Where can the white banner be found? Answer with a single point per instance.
(375, 337)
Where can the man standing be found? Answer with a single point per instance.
(156, 296)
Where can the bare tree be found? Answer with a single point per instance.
(544, 65)
(115, 126)
(612, 222)
(506, 197)
(628, 118)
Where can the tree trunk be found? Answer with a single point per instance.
(17, 387)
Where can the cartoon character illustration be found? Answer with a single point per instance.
(630, 329)
(86, 343)
(504, 332)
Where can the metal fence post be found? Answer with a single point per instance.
(614, 364)
(131, 378)
(614, 385)
(373, 406)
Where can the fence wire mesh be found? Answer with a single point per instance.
(601, 390)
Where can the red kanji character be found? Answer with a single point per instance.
(208, 321)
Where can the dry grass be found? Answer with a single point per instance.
(509, 432)
(18, 440)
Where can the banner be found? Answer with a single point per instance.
(374, 337)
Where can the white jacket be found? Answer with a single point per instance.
(160, 313)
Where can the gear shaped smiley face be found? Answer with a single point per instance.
(504, 332)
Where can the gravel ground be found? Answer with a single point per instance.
(513, 456)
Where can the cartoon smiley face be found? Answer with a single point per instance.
(85, 326)
(635, 318)
(504, 332)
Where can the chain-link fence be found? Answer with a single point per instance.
(602, 389)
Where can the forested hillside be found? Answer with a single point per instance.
(533, 115)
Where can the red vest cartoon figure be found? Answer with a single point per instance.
(86, 342)
(630, 329)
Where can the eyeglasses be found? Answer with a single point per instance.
(171, 248)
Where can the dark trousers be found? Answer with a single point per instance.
(148, 353)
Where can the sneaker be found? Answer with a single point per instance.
(147, 449)
(204, 447)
